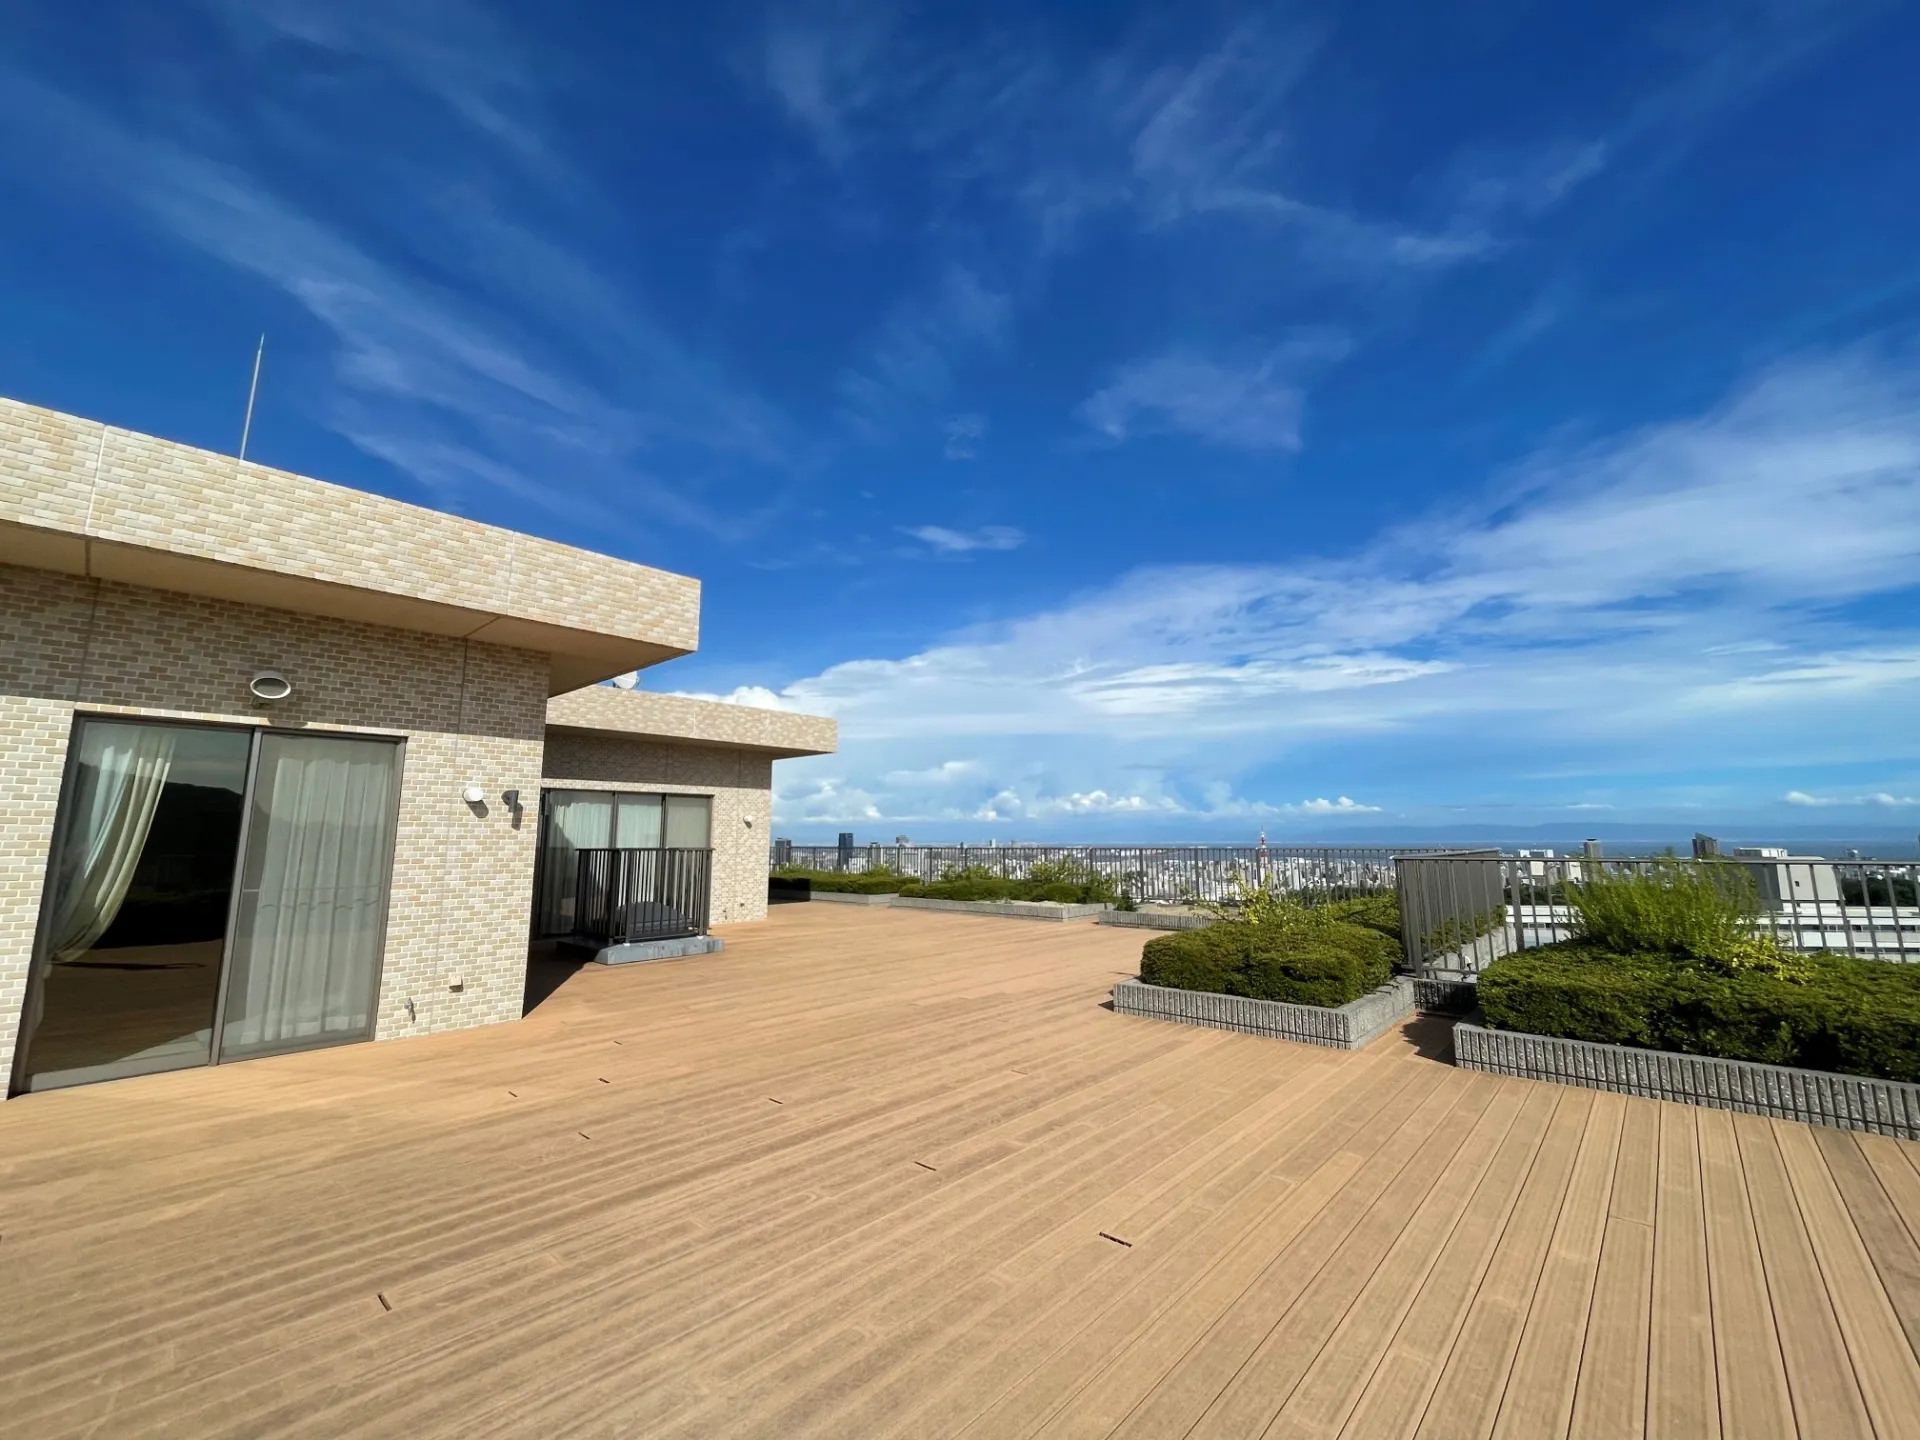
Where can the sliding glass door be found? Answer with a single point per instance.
(589, 820)
(305, 962)
(127, 977)
(213, 894)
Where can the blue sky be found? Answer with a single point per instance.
(1130, 422)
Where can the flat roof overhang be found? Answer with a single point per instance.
(684, 720)
(86, 499)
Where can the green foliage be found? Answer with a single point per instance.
(1463, 930)
(1831, 1012)
(1377, 912)
(878, 881)
(1125, 901)
(1324, 961)
(1093, 887)
(1700, 913)
(1064, 881)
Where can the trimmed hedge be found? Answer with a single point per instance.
(1329, 964)
(1828, 1012)
(1376, 912)
(963, 887)
(853, 884)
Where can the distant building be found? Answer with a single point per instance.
(1705, 847)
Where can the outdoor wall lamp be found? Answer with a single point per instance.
(270, 685)
(474, 795)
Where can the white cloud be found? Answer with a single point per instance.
(920, 343)
(755, 697)
(959, 542)
(948, 772)
(1665, 597)
(1254, 405)
(964, 433)
(1341, 806)
(460, 392)
(1879, 798)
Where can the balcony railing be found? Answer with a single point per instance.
(1458, 912)
(625, 895)
(1147, 872)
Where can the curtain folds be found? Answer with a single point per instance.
(313, 893)
(122, 773)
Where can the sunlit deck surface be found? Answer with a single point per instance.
(876, 1173)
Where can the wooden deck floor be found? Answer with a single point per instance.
(876, 1173)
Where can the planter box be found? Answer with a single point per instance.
(636, 950)
(1155, 920)
(850, 897)
(1012, 909)
(1846, 1102)
(1347, 1028)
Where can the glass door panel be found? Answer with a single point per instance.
(129, 956)
(639, 822)
(576, 820)
(305, 961)
(689, 822)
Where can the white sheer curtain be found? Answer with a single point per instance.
(313, 893)
(689, 822)
(122, 772)
(576, 820)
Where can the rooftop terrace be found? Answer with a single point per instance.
(889, 1172)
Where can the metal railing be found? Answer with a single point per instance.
(1460, 911)
(1150, 873)
(659, 894)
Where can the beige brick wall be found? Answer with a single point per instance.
(181, 511)
(740, 782)
(471, 713)
(680, 717)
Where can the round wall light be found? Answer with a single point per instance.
(473, 795)
(270, 685)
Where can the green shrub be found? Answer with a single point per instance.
(1828, 1012)
(871, 882)
(1702, 912)
(1462, 930)
(1326, 962)
(1063, 882)
(1376, 912)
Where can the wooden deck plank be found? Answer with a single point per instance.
(1319, 1353)
(1881, 1219)
(1466, 1402)
(1753, 1398)
(1610, 1399)
(695, 1199)
(1400, 1386)
(1826, 1396)
(1425, 1261)
(1683, 1392)
(1540, 1388)
(1876, 1345)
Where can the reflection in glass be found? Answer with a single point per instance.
(129, 961)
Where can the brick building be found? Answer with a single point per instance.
(281, 763)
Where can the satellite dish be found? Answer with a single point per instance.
(627, 681)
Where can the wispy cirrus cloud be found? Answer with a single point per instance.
(1669, 590)
(961, 542)
(964, 433)
(920, 344)
(1880, 799)
(458, 356)
(1252, 405)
